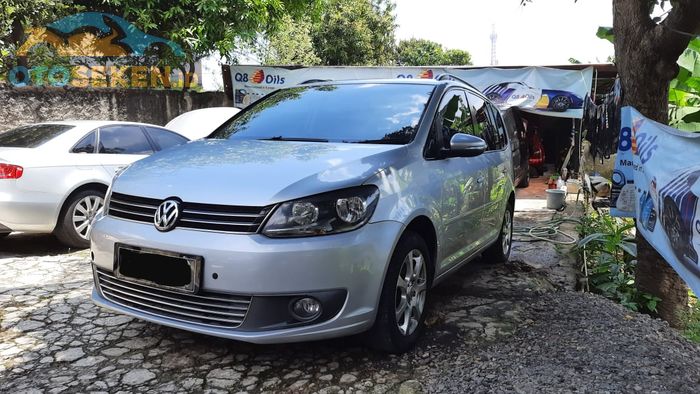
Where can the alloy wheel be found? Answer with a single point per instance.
(561, 103)
(411, 287)
(83, 213)
(507, 233)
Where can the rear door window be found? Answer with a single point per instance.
(124, 139)
(499, 132)
(87, 144)
(482, 122)
(32, 136)
(165, 138)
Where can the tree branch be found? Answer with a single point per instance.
(669, 35)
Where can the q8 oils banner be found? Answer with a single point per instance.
(542, 90)
(657, 181)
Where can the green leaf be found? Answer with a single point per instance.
(606, 33)
(629, 247)
(690, 59)
(591, 238)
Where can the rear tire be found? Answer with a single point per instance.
(401, 313)
(525, 182)
(499, 252)
(76, 216)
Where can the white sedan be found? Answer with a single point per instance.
(199, 123)
(53, 176)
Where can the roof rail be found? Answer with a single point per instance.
(452, 77)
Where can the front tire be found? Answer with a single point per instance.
(401, 314)
(76, 218)
(499, 252)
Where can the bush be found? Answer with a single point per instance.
(609, 256)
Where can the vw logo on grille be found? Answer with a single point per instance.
(166, 215)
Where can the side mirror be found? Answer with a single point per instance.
(466, 145)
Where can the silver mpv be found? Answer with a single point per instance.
(322, 210)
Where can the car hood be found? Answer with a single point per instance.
(253, 173)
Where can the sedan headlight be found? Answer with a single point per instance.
(328, 213)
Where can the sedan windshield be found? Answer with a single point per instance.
(361, 113)
(31, 136)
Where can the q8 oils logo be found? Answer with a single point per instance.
(101, 50)
(259, 77)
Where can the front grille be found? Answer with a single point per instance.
(210, 309)
(211, 217)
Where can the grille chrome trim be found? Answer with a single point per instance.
(195, 216)
(209, 309)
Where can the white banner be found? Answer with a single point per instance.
(546, 91)
(657, 181)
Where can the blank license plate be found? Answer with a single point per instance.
(157, 268)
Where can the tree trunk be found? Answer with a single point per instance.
(646, 55)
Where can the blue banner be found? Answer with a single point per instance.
(657, 181)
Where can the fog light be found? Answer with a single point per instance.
(306, 308)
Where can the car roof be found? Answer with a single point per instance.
(397, 81)
(96, 123)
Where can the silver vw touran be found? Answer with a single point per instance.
(322, 210)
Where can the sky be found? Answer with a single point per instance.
(544, 32)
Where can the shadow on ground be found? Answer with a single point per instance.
(22, 244)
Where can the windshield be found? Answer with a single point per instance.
(364, 113)
(31, 136)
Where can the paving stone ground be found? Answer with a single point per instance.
(515, 327)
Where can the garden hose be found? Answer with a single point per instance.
(548, 231)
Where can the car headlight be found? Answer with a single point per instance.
(328, 213)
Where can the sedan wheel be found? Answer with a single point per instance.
(77, 214)
(411, 286)
(83, 214)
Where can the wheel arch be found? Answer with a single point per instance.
(91, 185)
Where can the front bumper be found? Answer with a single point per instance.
(264, 268)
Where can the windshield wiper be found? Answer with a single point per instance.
(302, 139)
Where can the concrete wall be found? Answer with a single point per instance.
(20, 106)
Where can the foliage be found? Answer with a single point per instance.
(610, 257)
(691, 319)
(206, 26)
(421, 52)
(15, 15)
(201, 27)
(290, 44)
(684, 94)
(356, 32)
(456, 57)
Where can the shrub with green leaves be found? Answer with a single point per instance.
(611, 259)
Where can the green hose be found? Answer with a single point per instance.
(547, 231)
